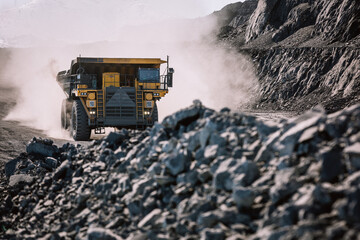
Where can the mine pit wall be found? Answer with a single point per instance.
(297, 79)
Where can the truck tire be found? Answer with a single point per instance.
(155, 115)
(79, 128)
(65, 114)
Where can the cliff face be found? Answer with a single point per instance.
(299, 78)
(306, 52)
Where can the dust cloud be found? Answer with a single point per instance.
(219, 77)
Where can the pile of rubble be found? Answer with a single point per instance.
(199, 174)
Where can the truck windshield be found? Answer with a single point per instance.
(151, 75)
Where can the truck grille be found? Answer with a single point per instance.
(120, 102)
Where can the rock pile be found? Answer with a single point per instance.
(200, 174)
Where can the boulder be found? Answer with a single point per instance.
(98, 233)
(42, 147)
(20, 179)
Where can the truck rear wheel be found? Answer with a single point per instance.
(65, 114)
(79, 128)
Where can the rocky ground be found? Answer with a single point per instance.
(198, 174)
(202, 174)
(306, 52)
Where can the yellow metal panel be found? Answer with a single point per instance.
(133, 60)
(81, 93)
(149, 85)
(91, 96)
(163, 93)
(111, 79)
(84, 105)
(82, 86)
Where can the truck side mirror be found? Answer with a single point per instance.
(170, 77)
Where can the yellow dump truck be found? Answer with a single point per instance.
(112, 92)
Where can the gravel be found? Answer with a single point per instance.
(200, 174)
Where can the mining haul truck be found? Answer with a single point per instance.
(112, 92)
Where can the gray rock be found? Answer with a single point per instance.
(353, 206)
(212, 234)
(19, 179)
(10, 167)
(208, 219)
(204, 174)
(170, 145)
(190, 178)
(116, 138)
(285, 185)
(194, 141)
(337, 231)
(266, 128)
(98, 233)
(243, 197)
(52, 162)
(150, 219)
(231, 171)
(308, 134)
(164, 180)
(205, 133)
(63, 170)
(353, 154)
(155, 169)
(211, 151)
(177, 162)
(216, 139)
(286, 144)
(223, 180)
(259, 19)
(41, 147)
(184, 116)
(331, 165)
(353, 179)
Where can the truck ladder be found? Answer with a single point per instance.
(100, 112)
(139, 106)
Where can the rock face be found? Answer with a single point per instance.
(306, 52)
(233, 19)
(200, 174)
(336, 20)
(299, 78)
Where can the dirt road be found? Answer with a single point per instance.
(14, 136)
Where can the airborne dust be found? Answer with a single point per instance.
(217, 76)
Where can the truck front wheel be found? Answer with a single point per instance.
(79, 128)
(155, 115)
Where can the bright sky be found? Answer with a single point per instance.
(93, 20)
(193, 8)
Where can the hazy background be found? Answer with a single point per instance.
(51, 33)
